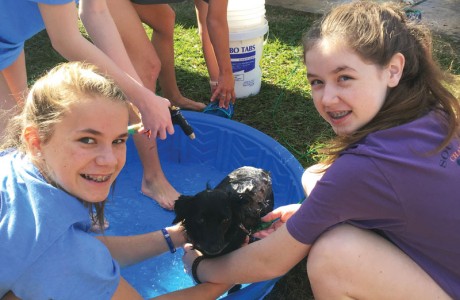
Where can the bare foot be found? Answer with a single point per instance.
(161, 191)
(187, 104)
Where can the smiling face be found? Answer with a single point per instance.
(347, 91)
(87, 150)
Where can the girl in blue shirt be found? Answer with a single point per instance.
(22, 19)
(59, 161)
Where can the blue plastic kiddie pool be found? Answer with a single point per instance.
(221, 145)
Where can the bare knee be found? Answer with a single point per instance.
(332, 257)
(351, 263)
(169, 18)
(153, 65)
(148, 69)
(161, 20)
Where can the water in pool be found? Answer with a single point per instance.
(221, 146)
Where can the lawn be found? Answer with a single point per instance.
(283, 109)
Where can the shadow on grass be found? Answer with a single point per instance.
(292, 286)
(40, 56)
(283, 23)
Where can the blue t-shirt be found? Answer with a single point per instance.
(391, 182)
(19, 21)
(46, 249)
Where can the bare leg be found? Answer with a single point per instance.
(154, 183)
(208, 49)
(7, 105)
(161, 18)
(352, 263)
(10, 296)
(147, 65)
(140, 50)
(13, 88)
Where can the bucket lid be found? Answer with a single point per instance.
(239, 10)
(241, 5)
(249, 34)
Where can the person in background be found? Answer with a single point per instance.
(60, 158)
(21, 19)
(153, 60)
(214, 35)
(382, 221)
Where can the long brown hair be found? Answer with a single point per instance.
(377, 31)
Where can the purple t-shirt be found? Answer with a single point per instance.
(391, 181)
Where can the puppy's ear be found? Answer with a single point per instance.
(182, 207)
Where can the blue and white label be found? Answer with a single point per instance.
(243, 58)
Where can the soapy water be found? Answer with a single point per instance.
(129, 212)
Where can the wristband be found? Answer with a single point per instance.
(167, 237)
(195, 267)
(213, 83)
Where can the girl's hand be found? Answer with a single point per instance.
(224, 91)
(189, 257)
(178, 234)
(278, 216)
(156, 116)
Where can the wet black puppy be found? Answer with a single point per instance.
(218, 220)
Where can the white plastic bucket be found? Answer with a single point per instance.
(246, 49)
(247, 27)
(246, 20)
(243, 25)
(241, 5)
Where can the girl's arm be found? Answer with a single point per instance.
(206, 291)
(217, 26)
(61, 23)
(268, 258)
(133, 249)
(128, 250)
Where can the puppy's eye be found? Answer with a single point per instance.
(226, 221)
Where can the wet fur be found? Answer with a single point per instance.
(217, 221)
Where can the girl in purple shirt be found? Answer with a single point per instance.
(382, 213)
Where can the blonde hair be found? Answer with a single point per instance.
(52, 95)
(376, 32)
(50, 98)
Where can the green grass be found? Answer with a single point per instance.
(283, 109)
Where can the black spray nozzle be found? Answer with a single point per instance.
(178, 119)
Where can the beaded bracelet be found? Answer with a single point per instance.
(195, 267)
(167, 237)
